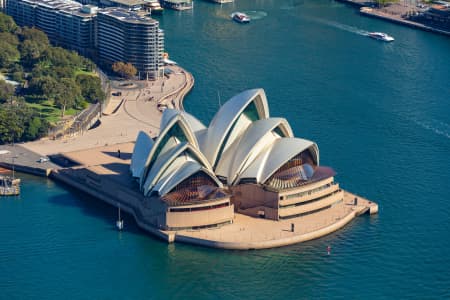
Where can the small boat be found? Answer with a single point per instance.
(380, 36)
(119, 222)
(177, 4)
(154, 7)
(240, 17)
(9, 186)
(222, 1)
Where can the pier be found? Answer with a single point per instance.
(398, 19)
(393, 13)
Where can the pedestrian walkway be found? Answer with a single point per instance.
(139, 107)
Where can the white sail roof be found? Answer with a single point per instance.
(226, 117)
(175, 130)
(168, 158)
(141, 150)
(187, 169)
(193, 122)
(258, 136)
(281, 151)
(241, 142)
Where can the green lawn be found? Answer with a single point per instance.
(78, 72)
(49, 112)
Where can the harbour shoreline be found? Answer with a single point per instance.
(89, 169)
(385, 14)
(114, 186)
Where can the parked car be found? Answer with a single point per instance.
(43, 159)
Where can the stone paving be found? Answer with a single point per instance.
(245, 232)
(253, 233)
(20, 157)
(136, 109)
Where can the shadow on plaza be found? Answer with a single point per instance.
(117, 154)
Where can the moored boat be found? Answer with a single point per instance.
(222, 1)
(9, 186)
(240, 17)
(177, 4)
(154, 7)
(380, 36)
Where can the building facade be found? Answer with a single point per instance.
(66, 23)
(244, 162)
(131, 37)
(108, 35)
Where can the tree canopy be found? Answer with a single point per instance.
(6, 91)
(20, 123)
(7, 24)
(52, 78)
(125, 70)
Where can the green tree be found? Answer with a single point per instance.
(6, 91)
(7, 24)
(35, 128)
(125, 70)
(9, 38)
(67, 94)
(34, 45)
(8, 54)
(35, 35)
(45, 86)
(91, 88)
(11, 125)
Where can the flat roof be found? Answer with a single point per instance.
(127, 16)
(128, 2)
(178, 1)
(65, 6)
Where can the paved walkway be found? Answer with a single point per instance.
(253, 233)
(105, 175)
(136, 109)
(24, 160)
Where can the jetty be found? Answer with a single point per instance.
(398, 19)
(394, 13)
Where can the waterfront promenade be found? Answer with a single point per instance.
(98, 163)
(138, 108)
(394, 13)
(101, 173)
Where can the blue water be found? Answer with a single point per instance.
(380, 114)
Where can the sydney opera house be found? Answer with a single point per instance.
(244, 162)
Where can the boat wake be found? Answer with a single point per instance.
(256, 14)
(341, 26)
(438, 127)
(292, 5)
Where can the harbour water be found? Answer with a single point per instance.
(380, 115)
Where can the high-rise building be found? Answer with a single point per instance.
(131, 37)
(67, 23)
(108, 35)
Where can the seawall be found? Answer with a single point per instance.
(375, 13)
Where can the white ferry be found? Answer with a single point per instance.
(380, 36)
(240, 17)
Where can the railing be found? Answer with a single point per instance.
(84, 120)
